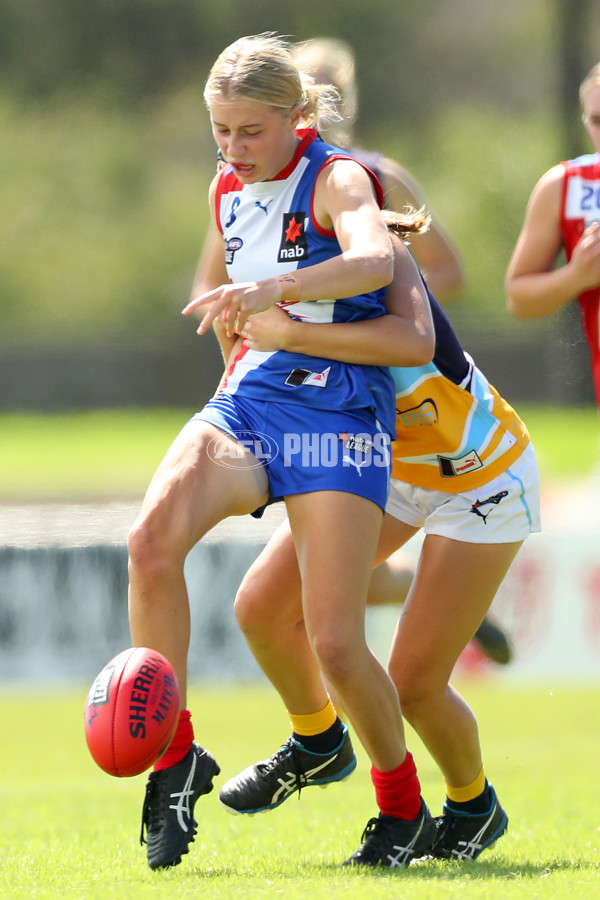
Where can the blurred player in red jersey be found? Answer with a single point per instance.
(563, 213)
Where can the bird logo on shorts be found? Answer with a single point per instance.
(494, 499)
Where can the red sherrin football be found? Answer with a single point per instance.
(131, 711)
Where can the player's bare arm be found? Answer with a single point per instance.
(404, 337)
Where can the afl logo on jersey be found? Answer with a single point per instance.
(233, 244)
(293, 246)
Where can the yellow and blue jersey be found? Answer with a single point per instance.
(454, 431)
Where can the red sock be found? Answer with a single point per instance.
(181, 743)
(398, 793)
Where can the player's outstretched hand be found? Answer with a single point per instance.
(234, 303)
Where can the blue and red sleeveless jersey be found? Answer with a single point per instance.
(269, 229)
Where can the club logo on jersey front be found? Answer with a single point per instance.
(293, 246)
(233, 245)
(424, 414)
(232, 216)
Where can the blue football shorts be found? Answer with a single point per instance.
(304, 449)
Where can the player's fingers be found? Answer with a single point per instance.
(191, 307)
(203, 300)
(208, 319)
(229, 317)
(241, 319)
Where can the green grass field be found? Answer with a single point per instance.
(70, 831)
(112, 453)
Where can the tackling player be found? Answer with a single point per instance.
(464, 472)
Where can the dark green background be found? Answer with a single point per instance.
(106, 157)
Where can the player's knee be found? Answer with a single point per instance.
(336, 656)
(149, 550)
(260, 609)
(413, 686)
(250, 603)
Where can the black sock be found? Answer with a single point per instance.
(324, 742)
(477, 806)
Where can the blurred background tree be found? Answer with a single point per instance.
(106, 152)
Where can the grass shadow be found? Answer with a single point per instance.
(427, 870)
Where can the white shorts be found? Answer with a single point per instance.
(504, 510)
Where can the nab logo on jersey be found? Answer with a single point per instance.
(293, 246)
